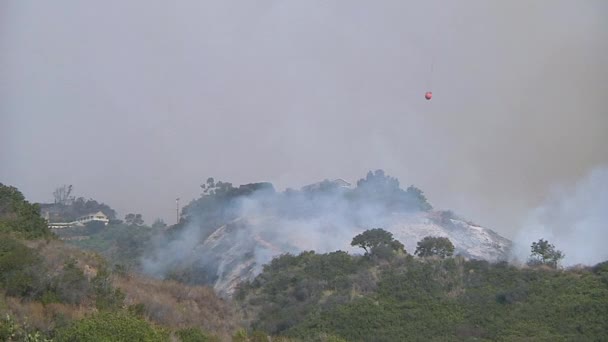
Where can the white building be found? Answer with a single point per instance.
(98, 216)
(81, 221)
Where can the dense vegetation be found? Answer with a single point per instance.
(50, 290)
(428, 299)
(219, 201)
(20, 217)
(221, 204)
(120, 244)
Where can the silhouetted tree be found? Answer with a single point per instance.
(134, 219)
(62, 195)
(383, 189)
(377, 242)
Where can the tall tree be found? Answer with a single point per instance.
(62, 195)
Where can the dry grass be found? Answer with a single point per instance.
(56, 253)
(176, 305)
(167, 303)
(43, 317)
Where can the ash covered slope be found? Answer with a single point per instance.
(228, 234)
(470, 240)
(242, 258)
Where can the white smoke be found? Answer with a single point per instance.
(254, 227)
(574, 219)
(269, 224)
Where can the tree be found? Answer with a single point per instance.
(80, 206)
(17, 215)
(377, 241)
(381, 188)
(434, 245)
(208, 186)
(544, 253)
(134, 219)
(418, 197)
(62, 195)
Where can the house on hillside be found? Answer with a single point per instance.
(98, 216)
(81, 221)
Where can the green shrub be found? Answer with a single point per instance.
(19, 274)
(425, 299)
(258, 336)
(13, 331)
(111, 326)
(195, 335)
(240, 336)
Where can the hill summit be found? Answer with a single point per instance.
(229, 233)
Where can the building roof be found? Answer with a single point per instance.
(99, 213)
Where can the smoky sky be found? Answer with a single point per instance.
(136, 103)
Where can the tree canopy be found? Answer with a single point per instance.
(377, 241)
(19, 216)
(544, 253)
(433, 245)
(402, 299)
(381, 188)
(134, 219)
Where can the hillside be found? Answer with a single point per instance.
(235, 258)
(311, 295)
(463, 291)
(229, 233)
(52, 285)
(49, 289)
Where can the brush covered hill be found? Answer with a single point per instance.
(229, 233)
(20, 217)
(310, 296)
(51, 290)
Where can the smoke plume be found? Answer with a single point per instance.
(231, 228)
(574, 219)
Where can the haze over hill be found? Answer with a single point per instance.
(51, 290)
(498, 186)
(229, 233)
(134, 103)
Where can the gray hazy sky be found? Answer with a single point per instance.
(138, 102)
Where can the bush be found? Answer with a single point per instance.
(71, 285)
(195, 335)
(12, 331)
(111, 326)
(19, 274)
